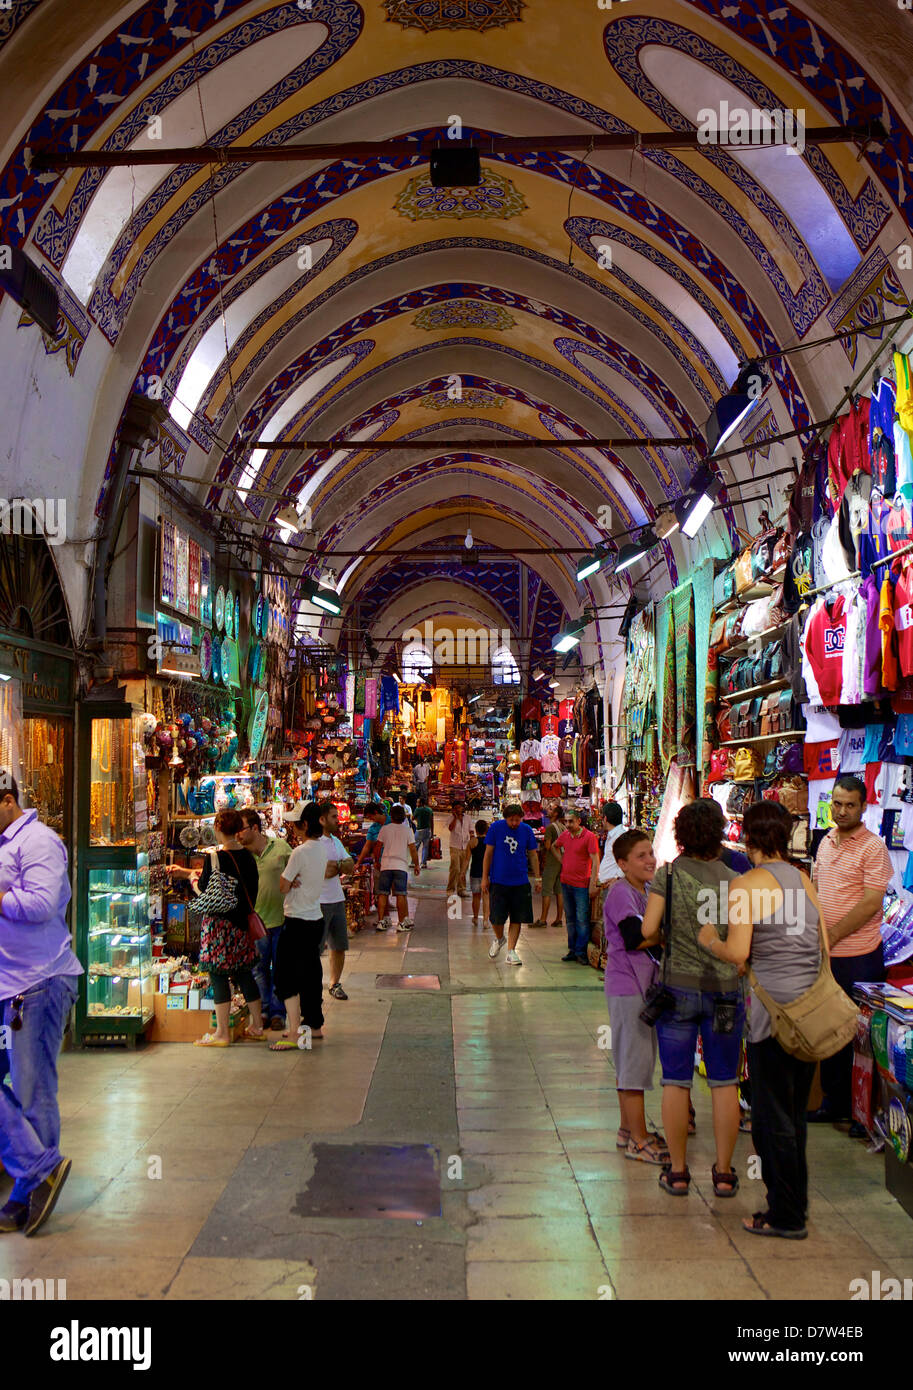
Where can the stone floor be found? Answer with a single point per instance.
(192, 1169)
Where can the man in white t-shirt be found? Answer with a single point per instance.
(420, 774)
(299, 976)
(613, 819)
(396, 843)
(333, 898)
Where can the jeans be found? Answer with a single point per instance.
(577, 917)
(837, 1071)
(422, 841)
(677, 1031)
(265, 974)
(29, 1117)
(780, 1086)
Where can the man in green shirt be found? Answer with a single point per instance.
(272, 855)
(424, 827)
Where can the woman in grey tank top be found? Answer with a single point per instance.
(773, 922)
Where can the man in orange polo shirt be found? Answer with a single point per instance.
(851, 873)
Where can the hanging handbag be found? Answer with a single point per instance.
(817, 1024)
(781, 553)
(219, 898)
(719, 765)
(255, 928)
(746, 766)
(793, 759)
(798, 841)
(744, 577)
(794, 796)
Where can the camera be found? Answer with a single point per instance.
(658, 1000)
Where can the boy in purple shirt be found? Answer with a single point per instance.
(38, 973)
(628, 976)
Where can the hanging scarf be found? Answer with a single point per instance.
(685, 691)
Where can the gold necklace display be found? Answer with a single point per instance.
(101, 737)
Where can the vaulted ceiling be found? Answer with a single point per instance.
(345, 296)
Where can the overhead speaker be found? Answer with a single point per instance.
(24, 283)
(456, 168)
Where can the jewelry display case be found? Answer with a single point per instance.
(114, 930)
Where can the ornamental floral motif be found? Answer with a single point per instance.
(469, 396)
(464, 313)
(495, 196)
(453, 14)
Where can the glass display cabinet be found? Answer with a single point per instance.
(114, 932)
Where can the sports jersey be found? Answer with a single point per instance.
(871, 669)
(848, 448)
(890, 672)
(825, 640)
(903, 618)
(850, 750)
(897, 522)
(566, 710)
(881, 435)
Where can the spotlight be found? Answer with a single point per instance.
(538, 674)
(665, 523)
(732, 409)
(694, 509)
(569, 637)
(289, 518)
(629, 554)
(554, 682)
(591, 564)
(474, 698)
(322, 599)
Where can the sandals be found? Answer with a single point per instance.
(283, 1045)
(338, 992)
(729, 1181)
(251, 1035)
(650, 1152)
(210, 1040)
(759, 1225)
(624, 1135)
(540, 923)
(676, 1184)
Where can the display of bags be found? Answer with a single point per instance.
(746, 765)
(744, 575)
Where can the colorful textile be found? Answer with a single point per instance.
(668, 719)
(685, 694)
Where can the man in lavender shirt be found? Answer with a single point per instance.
(38, 988)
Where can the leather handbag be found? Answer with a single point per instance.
(785, 701)
(719, 765)
(781, 552)
(744, 576)
(794, 796)
(819, 1022)
(220, 897)
(754, 717)
(798, 840)
(729, 587)
(724, 725)
(793, 758)
(723, 588)
(746, 766)
(718, 640)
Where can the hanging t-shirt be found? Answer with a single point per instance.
(850, 751)
(820, 724)
(549, 724)
(848, 447)
(890, 670)
(874, 734)
(903, 618)
(825, 639)
(819, 803)
(903, 461)
(903, 737)
(897, 523)
(550, 756)
(871, 671)
(881, 435)
(821, 759)
(819, 535)
(566, 709)
(798, 578)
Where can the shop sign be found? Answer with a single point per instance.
(256, 727)
(45, 679)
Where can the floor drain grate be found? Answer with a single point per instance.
(381, 1181)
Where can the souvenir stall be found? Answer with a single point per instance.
(37, 681)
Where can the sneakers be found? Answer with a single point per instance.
(338, 992)
(570, 956)
(495, 946)
(512, 958)
(406, 924)
(384, 924)
(44, 1198)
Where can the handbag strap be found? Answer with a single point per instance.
(667, 919)
(250, 906)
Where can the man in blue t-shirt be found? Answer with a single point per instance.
(510, 858)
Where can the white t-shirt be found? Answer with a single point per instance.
(421, 772)
(850, 750)
(308, 864)
(608, 869)
(461, 834)
(822, 726)
(333, 891)
(395, 840)
(406, 807)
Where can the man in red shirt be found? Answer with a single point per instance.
(851, 872)
(579, 852)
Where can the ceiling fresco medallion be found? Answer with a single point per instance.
(464, 313)
(495, 196)
(470, 396)
(453, 14)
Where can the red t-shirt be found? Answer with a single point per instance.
(903, 619)
(549, 725)
(575, 867)
(818, 760)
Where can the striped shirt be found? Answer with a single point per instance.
(845, 869)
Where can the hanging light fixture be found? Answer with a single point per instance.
(321, 598)
(591, 564)
(693, 510)
(629, 554)
(289, 519)
(569, 636)
(733, 409)
(553, 682)
(538, 674)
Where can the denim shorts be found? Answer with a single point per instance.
(677, 1033)
(393, 881)
(475, 884)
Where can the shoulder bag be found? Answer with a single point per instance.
(255, 928)
(218, 898)
(817, 1024)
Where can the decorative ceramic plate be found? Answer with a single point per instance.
(205, 655)
(216, 656)
(258, 616)
(237, 617)
(226, 662)
(220, 608)
(229, 614)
